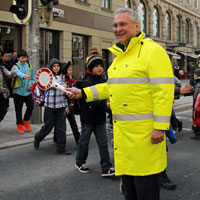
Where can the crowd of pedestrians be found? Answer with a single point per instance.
(137, 92)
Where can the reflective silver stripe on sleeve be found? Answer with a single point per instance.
(128, 80)
(162, 119)
(142, 116)
(94, 93)
(163, 80)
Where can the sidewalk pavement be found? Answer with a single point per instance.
(8, 131)
(9, 136)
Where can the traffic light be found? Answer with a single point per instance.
(21, 10)
(46, 2)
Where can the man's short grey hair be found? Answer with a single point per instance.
(134, 16)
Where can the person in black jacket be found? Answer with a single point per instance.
(4, 61)
(93, 119)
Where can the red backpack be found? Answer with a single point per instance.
(196, 113)
(38, 95)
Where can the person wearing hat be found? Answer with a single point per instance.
(55, 110)
(93, 119)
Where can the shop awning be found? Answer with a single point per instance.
(174, 55)
(189, 54)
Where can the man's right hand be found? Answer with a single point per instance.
(75, 93)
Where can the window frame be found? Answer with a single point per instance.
(106, 4)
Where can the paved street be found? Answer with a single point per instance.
(29, 174)
(35, 175)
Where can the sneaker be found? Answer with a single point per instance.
(20, 129)
(109, 172)
(82, 168)
(27, 125)
(63, 152)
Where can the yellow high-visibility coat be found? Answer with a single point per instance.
(140, 87)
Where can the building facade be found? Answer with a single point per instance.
(175, 24)
(83, 24)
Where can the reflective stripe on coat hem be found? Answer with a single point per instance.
(142, 116)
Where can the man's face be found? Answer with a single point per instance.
(124, 28)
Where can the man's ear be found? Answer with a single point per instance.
(137, 26)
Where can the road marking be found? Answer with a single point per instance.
(187, 129)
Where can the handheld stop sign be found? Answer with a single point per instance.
(45, 80)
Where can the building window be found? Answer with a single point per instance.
(106, 4)
(49, 46)
(127, 4)
(197, 36)
(79, 52)
(85, 1)
(188, 1)
(77, 46)
(168, 26)
(196, 3)
(178, 29)
(187, 32)
(10, 38)
(142, 16)
(156, 23)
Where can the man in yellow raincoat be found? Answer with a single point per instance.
(140, 87)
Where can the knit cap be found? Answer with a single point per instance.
(94, 61)
(54, 61)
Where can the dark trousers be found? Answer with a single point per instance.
(141, 187)
(18, 102)
(101, 138)
(54, 117)
(74, 127)
(4, 104)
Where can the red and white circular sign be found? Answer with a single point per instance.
(44, 78)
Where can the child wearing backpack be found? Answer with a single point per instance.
(93, 119)
(56, 107)
(5, 74)
(22, 91)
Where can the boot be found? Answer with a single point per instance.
(166, 183)
(20, 128)
(27, 125)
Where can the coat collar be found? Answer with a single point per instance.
(118, 48)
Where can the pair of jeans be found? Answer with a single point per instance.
(74, 127)
(101, 139)
(4, 104)
(54, 117)
(141, 187)
(18, 102)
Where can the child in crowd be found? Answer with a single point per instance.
(67, 71)
(4, 61)
(5, 75)
(56, 106)
(22, 92)
(196, 92)
(93, 119)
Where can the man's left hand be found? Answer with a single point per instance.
(157, 136)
